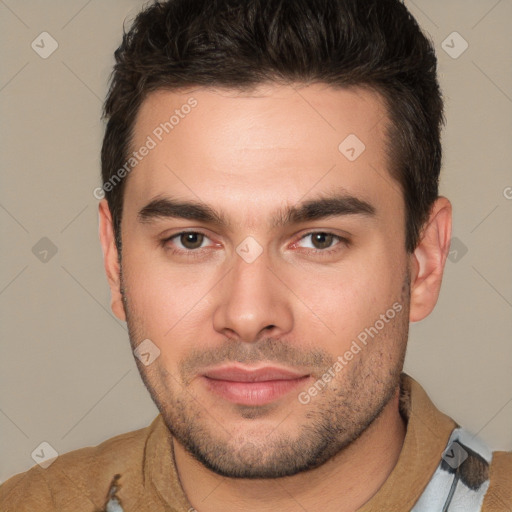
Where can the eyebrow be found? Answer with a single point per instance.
(314, 209)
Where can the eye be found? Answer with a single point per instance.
(191, 240)
(322, 242)
(186, 241)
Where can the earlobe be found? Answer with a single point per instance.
(428, 260)
(110, 259)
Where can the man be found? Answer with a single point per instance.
(271, 225)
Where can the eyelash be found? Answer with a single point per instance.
(191, 253)
(326, 252)
(197, 253)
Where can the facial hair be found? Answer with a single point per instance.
(335, 418)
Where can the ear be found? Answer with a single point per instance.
(428, 260)
(110, 259)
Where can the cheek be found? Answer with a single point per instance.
(160, 297)
(154, 315)
(168, 305)
(344, 300)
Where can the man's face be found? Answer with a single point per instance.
(267, 288)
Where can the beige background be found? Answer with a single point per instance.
(67, 374)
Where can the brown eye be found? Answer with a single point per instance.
(321, 240)
(191, 240)
(323, 243)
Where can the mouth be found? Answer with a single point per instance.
(249, 386)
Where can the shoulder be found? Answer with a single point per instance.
(499, 493)
(80, 477)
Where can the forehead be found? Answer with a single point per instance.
(275, 141)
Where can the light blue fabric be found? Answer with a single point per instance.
(113, 506)
(461, 480)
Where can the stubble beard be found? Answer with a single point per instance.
(329, 423)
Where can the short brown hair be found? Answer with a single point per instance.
(241, 43)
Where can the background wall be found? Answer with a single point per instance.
(67, 375)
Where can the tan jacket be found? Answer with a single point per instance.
(84, 480)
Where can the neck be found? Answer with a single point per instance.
(343, 484)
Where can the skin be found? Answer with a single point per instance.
(250, 155)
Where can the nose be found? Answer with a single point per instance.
(252, 302)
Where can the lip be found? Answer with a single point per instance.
(240, 374)
(249, 386)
